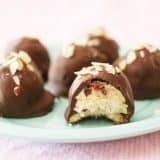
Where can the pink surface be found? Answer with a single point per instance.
(53, 20)
(128, 21)
(140, 148)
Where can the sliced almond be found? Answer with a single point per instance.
(16, 80)
(25, 57)
(94, 72)
(87, 70)
(81, 41)
(20, 66)
(98, 64)
(90, 68)
(117, 70)
(99, 68)
(30, 67)
(98, 31)
(9, 61)
(131, 57)
(81, 73)
(93, 42)
(96, 68)
(110, 69)
(68, 51)
(13, 67)
(11, 55)
(140, 46)
(151, 48)
(122, 64)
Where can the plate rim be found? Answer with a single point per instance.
(81, 135)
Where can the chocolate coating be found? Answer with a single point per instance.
(36, 50)
(118, 80)
(98, 39)
(143, 72)
(61, 72)
(21, 90)
(106, 46)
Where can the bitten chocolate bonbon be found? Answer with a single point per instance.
(21, 88)
(98, 39)
(73, 58)
(142, 67)
(100, 91)
(36, 50)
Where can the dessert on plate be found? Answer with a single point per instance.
(21, 88)
(73, 57)
(98, 39)
(141, 65)
(100, 91)
(35, 49)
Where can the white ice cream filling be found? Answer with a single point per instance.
(102, 101)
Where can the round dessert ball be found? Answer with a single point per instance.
(100, 91)
(142, 67)
(21, 88)
(98, 39)
(36, 50)
(72, 59)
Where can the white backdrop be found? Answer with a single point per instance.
(56, 20)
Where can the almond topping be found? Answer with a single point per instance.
(20, 65)
(12, 55)
(149, 47)
(86, 71)
(117, 70)
(139, 47)
(98, 31)
(99, 68)
(30, 67)
(96, 68)
(9, 61)
(131, 57)
(16, 80)
(109, 68)
(25, 57)
(13, 67)
(68, 51)
(93, 42)
(122, 64)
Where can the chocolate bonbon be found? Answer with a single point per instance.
(142, 67)
(21, 88)
(98, 39)
(73, 58)
(100, 90)
(35, 49)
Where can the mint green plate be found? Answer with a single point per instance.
(53, 128)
